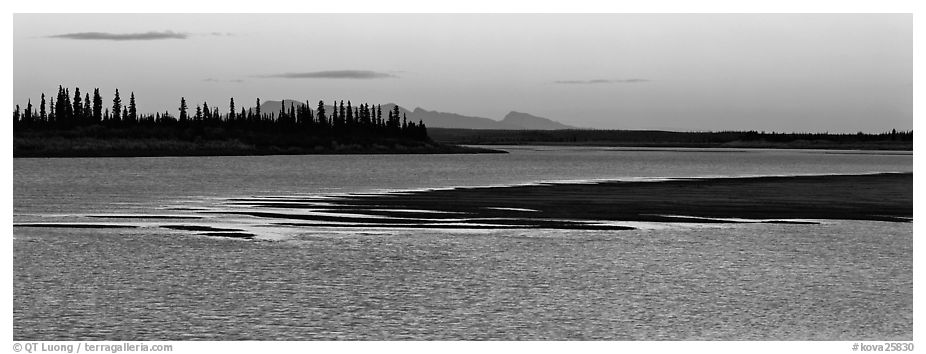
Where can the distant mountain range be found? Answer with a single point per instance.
(512, 121)
(527, 121)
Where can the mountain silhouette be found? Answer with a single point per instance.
(453, 120)
(512, 121)
(528, 121)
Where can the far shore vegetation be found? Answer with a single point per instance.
(77, 125)
(83, 126)
(889, 140)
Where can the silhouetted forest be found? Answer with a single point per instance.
(82, 125)
(63, 112)
(84, 122)
(891, 140)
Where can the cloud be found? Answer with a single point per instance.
(236, 81)
(601, 81)
(335, 74)
(146, 36)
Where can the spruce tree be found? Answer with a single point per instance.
(334, 113)
(88, 109)
(28, 115)
(395, 117)
(78, 107)
(133, 111)
(51, 111)
(60, 118)
(292, 112)
(231, 109)
(97, 106)
(341, 114)
(42, 115)
(183, 116)
(350, 115)
(117, 106)
(320, 113)
(68, 114)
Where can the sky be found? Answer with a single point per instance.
(684, 72)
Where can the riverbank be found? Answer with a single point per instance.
(902, 141)
(603, 206)
(879, 197)
(58, 146)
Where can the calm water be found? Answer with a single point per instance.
(838, 280)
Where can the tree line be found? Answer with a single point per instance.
(661, 138)
(64, 112)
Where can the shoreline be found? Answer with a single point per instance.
(84, 147)
(589, 181)
(872, 197)
(670, 139)
(601, 205)
(731, 145)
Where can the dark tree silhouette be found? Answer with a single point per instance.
(51, 111)
(78, 107)
(320, 113)
(63, 109)
(394, 121)
(117, 107)
(42, 115)
(379, 114)
(350, 116)
(29, 111)
(207, 115)
(97, 106)
(183, 115)
(59, 111)
(88, 110)
(133, 111)
(68, 109)
(299, 126)
(231, 109)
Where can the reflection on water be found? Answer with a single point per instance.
(838, 281)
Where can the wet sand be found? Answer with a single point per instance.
(878, 197)
(578, 206)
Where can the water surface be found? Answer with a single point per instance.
(839, 280)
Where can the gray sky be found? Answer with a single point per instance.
(781, 72)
